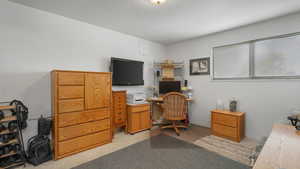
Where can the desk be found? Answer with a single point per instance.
(281, 150)
(159, 100)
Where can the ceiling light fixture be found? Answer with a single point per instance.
(157, 2)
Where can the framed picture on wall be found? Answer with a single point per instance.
(200, 66)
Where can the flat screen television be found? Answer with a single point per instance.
(169, 86)
(126, 72)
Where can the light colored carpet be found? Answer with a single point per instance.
(230, 149)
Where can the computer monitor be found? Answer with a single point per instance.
(169, 86)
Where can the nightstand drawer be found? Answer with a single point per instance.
(225, 130)
(226, 120)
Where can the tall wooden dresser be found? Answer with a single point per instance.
(119, 109)
(81, 107)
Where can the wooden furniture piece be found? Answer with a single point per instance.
(119, 109)
(81, 108)
(281, 150)
(226, 124)
(174, 109)
(138, 118)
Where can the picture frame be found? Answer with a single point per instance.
(200, 66)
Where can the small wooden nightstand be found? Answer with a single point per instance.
(226, 124)
(138, 118)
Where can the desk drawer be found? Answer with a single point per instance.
(226, 120)
(138, 108)
(225, 130)
(67, 119)
(82, 129)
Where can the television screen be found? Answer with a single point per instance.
(169, 86)
(126, 72)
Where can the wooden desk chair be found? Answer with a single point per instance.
(174, 109)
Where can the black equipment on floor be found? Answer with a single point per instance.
(295, 120)
(12, 125)
(5, 138)
(44, 126)
(23, 112)
(1, 115)
(2, 127)
(12, 152)
(38, 147)
(39, 150)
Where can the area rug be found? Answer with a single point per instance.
(162, 152)
(236, 151)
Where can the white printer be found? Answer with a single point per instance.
(136, 98)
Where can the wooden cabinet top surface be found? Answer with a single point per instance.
(228, 112)
(76, 71)
(281, 150)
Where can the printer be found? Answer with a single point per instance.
(136, 98)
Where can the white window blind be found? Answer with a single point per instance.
(276, 57)
(231, 61)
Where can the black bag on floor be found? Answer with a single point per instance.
(44, 126)
(39, 150)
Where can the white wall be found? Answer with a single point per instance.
(264, 101)
(33, 42)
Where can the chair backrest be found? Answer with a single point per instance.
(174, 106)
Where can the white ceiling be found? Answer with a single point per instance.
(174, 21)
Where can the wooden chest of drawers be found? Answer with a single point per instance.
(138, 118)
(81, 107)
(119, 109)
(230, 125)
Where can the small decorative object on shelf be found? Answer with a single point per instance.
(220, 105)
(168, 70)
(187, 91)
(294, 120)
(233, 105)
